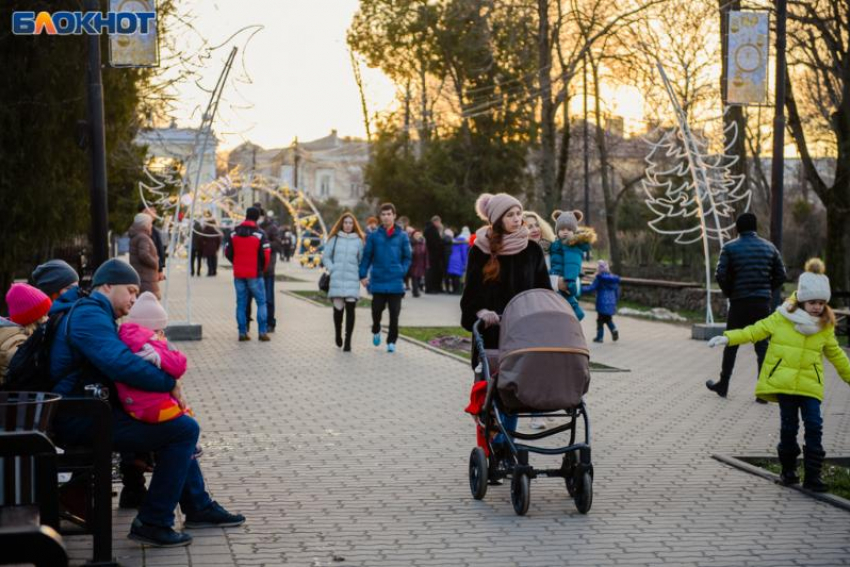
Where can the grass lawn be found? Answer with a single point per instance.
(691, 316)
(285, 278)
(320, 297)
(835, 476)
(427, 334)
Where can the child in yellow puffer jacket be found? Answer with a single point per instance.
(801, 331)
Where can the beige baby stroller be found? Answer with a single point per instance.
(541, 369)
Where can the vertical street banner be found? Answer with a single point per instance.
(748, 49)
(136, 49)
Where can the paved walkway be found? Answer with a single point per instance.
(361, 459)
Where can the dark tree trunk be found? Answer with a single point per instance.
(611, 224)
(551, 196)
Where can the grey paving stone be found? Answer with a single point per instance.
(364, 454)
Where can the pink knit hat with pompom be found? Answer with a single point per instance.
(148, 313)
(493, 207)
(27, 304)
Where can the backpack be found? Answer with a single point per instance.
(29, 369)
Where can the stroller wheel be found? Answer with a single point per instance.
(520, 493)
(478, 473)
(584, 494)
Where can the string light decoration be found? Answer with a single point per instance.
(694, 194)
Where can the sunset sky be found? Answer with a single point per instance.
(302, 81)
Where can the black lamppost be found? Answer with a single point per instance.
(778, 164)
(97, 142)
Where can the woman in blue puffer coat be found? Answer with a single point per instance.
(342, 255)
(607, 288)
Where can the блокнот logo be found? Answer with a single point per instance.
(77, 23)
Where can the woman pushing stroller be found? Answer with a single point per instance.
(507, 277)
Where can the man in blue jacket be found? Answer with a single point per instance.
(750, 272)
(87, 350)
(388, 255)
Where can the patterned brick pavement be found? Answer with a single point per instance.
(361, 458)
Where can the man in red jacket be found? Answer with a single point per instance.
(249, 251)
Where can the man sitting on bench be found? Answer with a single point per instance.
(87, 350)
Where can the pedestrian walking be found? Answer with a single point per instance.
(143, 256)
(607, 288)
(420, 263)
(503, 262)
(197, 252)
(567, 254)
(388, 256)
(800, 333)
(270, 227)
(436, 269)
(749, 272)
(249, 251)
(211, 244)
(342, 256)
(457, 261)
(156, 236)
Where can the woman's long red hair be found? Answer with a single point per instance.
(338, 226)
(492, 268)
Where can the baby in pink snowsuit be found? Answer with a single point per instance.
(143, 334)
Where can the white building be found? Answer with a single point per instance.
(172, 143)
(323, 168)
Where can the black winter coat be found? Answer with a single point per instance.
(519, 272)
(750, 267)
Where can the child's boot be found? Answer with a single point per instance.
(600, 333)
(615, 334)
(788, 460)
(338, 326)
(721, 387)
(813, 464)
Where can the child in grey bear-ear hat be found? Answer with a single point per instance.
(567, 253)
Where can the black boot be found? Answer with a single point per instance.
(338, 326)
(788, 460)
(720, 387)
(134, 491)
(350, 308)
(813, 464)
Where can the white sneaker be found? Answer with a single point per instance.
(537, 423)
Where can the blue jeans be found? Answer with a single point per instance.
(177, 477)
(269, 286)
(258, 290)
(809, 409)
(510, 422)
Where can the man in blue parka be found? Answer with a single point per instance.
(87, 350)
(388, 255)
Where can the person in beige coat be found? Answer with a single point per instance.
(143, 255)
(28, 307)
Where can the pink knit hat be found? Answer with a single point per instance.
(148, 313)
(27, 304)
(493, 207)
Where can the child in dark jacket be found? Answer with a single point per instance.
(607, 288)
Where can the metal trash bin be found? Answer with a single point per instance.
(22, 412)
